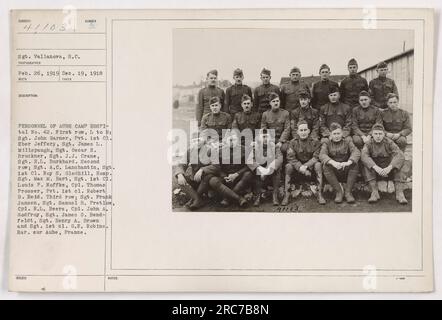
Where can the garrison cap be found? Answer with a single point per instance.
(266, 71)
(333, 89)
(214, 71)
(335, 126)
(378, 126)
(382, 64)
(238, 72)
(392, 95)
(273, 96)
(324, 66)
(304, 94)
(214, 100)
(352, 62)
(364, 93)
(295, 69)
(302, 122)
(245, 97)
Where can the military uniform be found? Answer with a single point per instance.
(309, 115)
(247, 120)
(341, 151)
(233, 97)
(261, 101)
(290, 94)
(320, 92)
(303, 152)
(379, 89)
(335, 112)
(278, 120)
(363, 121)
(216, 122)
(350, 88)
(204, 96)
(397, 122)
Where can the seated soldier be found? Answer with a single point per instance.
(382, 158)
(266, 165)
(340, 158)
(247, 119)
(306, 113)
(303, 161)
(277, 119)
(216, 119)
(364, 117)
(235, 176)
(334, 111)
(190, 173)
(396, 121)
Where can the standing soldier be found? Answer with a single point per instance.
(247, 119)
(270, 169)
(352, 85)
(277, 119)
(340, 158)
(235, 92)
(321, 88)
(334, 111)
(381, 86)
(205, 94)
(396, 121)
(216, 119)
(290, 91)
(261, 93)
(234, 175)
(382, 157)
(364, 117)
(305, 113)
(303, 161)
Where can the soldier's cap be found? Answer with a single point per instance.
(214, 71)
(352, 62)
(324, 66)
(266, 71)
(392, 95)
(382, 64)
(273, 96)
(333, 89)
(304, 94)
(237, 72)
(378, 126)
(214, 100)
(246, 97)
(364, 93)
(295, 69)
(300, 122)
(334, 126)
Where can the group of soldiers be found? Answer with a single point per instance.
(332, 131)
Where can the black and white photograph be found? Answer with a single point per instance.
(292, 120)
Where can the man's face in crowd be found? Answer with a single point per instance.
(382, 72)
(238, 79)
(303, 131)
(393, 103)
(265, 78)
(211, 79)
(304, 102)
(295, 76)
(325, 74)
(378, 135)
(333, 97)
(274, 104)
(215, 107)
(246, 105)
(336, 135)
(364, 101)
(352, 69)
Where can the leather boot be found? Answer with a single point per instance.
(257, 200)
(196, 202)
(275, 198)
(374, 197)
(351, 179)
(400, 197)
(321, 199)
(333, 181)
(286, 199)
(276, 179)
